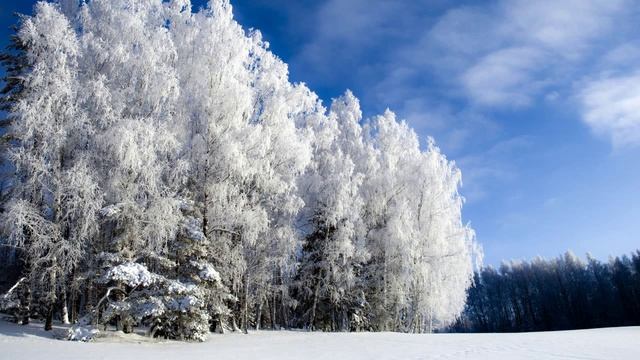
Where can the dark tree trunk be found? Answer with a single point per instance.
(245, 305)
(312, 319)
(273, 312)
(48, 324)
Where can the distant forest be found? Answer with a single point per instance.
(559, 294)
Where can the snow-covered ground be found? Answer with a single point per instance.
(30, 342)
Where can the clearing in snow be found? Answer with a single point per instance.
(31, 342)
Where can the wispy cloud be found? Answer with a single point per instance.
(510, 52)
(456, 129)
(346, 32)
(501, 54)
(611, 107)
(505, 77)
(463, 73)
(493, 167)
(567, 27)
(507, 89)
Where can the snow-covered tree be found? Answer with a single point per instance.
(156, 142)
(238, 138)
(334, 243)
(421, 252)
(128, 55)
(53, 213)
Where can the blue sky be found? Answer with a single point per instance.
(538, 102)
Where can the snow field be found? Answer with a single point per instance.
(31, 342)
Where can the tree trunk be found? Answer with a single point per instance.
(119, 296)
(258, 315)
(65, 308)
(74, 306)
(285, 314)
(90, 303)
(245, 306)
(205, 218)
(312, 319)
(25, 306)
(48, 324)
(334, 325)
(273, 312)
(127, 327)
(345, 319)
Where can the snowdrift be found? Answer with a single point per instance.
(31, 342)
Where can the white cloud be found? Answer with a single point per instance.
(611, 107)
(443, 69)
(621, 59)
(504, 77)
(464, 30)
(566, 26)
(510, 52)
(425, 60)
(498, 54)
(456, 131)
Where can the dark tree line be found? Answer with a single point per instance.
(559, 294)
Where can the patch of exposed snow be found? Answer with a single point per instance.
(186, 205)
(132, 274)
(177, 287)
(207, 272)
(184, 303)
(193, 229)
(110, 211)
(152, 307)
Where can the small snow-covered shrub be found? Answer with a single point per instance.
(171, 308)
(82, 333)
